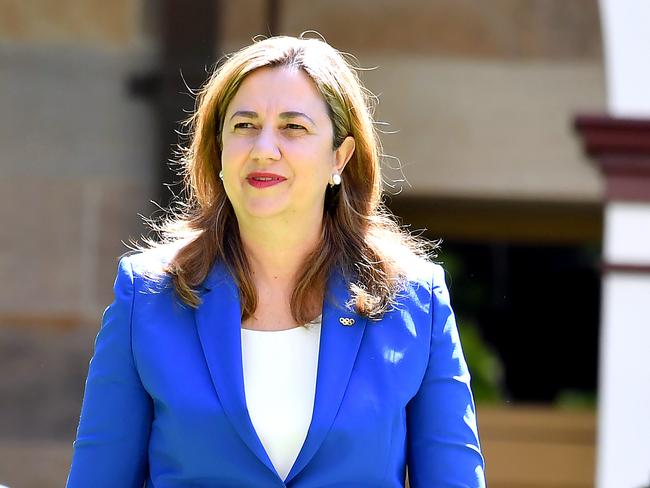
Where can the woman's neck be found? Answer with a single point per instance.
(277, 252)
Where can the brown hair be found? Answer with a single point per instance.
(359, 235)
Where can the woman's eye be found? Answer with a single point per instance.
(244, 125)
(295, 127)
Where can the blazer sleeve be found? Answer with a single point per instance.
(443, 445)
(113, 433)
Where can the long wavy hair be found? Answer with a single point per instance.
(359, 235)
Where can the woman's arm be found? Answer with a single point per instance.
(113, 433)
(443, 445)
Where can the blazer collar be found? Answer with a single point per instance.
(218, 321)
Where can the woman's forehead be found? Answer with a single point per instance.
(278, 90)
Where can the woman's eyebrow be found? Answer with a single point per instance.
(247, 114)
(294, 114)
(250, 114)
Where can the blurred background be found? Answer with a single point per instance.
(480, 101)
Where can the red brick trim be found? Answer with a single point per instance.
(621, 148)
(606, 267)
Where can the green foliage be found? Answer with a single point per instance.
(484, 364)
(576, 399)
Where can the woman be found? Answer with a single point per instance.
(286, 332)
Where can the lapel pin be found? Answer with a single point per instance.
(346, 321)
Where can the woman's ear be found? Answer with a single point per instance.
(343, 153)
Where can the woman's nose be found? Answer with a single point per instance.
(266, 145)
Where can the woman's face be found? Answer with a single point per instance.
(277, 154)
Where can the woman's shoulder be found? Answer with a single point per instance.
(421, 271)
(424, 280)
(148, 264)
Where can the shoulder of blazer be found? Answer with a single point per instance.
(423, 279)
(147, 267)
(149, 277)
(422, 272)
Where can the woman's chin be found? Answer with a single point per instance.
(265, 211)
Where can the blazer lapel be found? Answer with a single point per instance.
(218, 321)
(339, 345)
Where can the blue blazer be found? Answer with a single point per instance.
(164, 402)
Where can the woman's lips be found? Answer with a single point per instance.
(263, 180)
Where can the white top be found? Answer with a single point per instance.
(280, 383)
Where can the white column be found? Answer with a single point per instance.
(626, 42)
(623, 451)
(624, 389)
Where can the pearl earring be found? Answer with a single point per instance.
(335, 179)
(221, 174)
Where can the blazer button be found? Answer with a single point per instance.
(346, 321)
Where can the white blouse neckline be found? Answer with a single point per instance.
(314, 323)
(280, 371)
